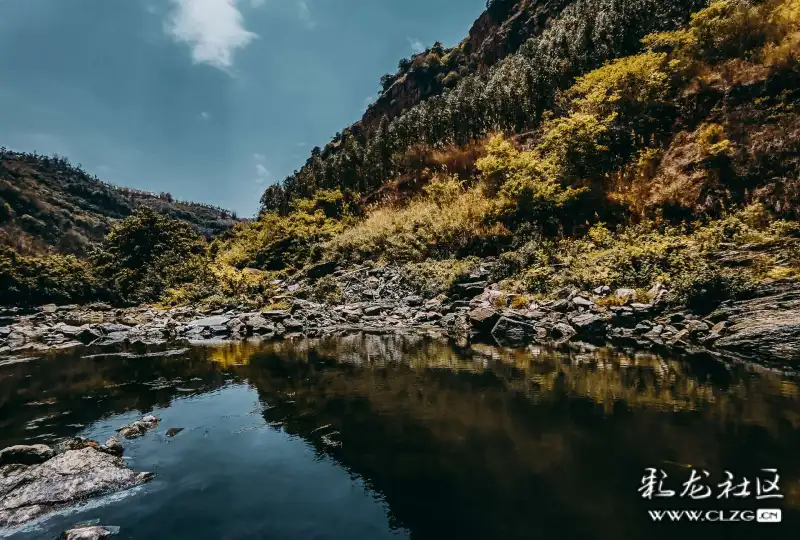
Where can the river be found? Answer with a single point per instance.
(371, 437)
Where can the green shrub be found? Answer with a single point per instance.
(145, 254)
(327, 290)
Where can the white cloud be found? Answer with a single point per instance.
(416, 45)
(214, 29)
(262, 173)
(305, 14)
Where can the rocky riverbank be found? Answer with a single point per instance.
(765, 326)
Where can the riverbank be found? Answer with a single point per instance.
(763, 327)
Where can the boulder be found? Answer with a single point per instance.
(26, 455)
(275, 314)
(587, 323)
(483, 319)
(509, 332)
(29, 491)
(319, 270)
(562, 332)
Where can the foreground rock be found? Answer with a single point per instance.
(29, 491)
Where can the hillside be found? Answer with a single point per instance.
(47, 204)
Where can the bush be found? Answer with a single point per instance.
(145, 254)
(27, 281)
(701, 285)
(327, 291)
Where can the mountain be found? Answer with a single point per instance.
(47, 204)
(518, 55)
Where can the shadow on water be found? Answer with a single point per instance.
(481, 442)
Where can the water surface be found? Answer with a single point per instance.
(370, 437)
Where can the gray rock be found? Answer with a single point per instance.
(587, 323)
(603, 290)
(275, 314)
(562, 331)
(26, 455)
(29, 491)
(219, 330)
(413, 300)
(483, 319)
(467, 291)
(695, 327)
(219, 320)
(509, 331)
(108, 328)
(138, 428)
(50, 308)
(373, 310)
(626, 295)
(582, 302)
(113, 446)
(89, 532)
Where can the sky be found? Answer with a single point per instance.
(209, 100)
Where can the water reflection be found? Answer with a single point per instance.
(481, 442)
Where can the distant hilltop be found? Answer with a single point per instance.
(49, 205)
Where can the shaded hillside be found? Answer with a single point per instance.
(47, 204)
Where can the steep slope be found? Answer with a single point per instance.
(46, 204)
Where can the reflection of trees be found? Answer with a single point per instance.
(459, 442)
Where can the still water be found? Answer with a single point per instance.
(371, 437)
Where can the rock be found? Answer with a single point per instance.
(87, 334)
(483, 319)
(413, 300)
(171, 432)
(655, 332)
(26, 455)
(109, 328)
(293, 325)
(560, 306)
(373, 310)
(138, 428)
(219, 320)
(626, 295)
(580, 301)
(99, 306)
(466, 291)
(275, 314)
(641, 308)
(113, 446)
(89, 532)
(29, 491)
(695, 327)
(219, 330)
(587, 323)
(509, 331)
(562, 331)
(319, 270)
(603, 290)
(49, 308)
(76, 443)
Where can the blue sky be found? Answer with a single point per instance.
(210, 100)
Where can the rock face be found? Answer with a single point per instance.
(29, 491)
(767, 326)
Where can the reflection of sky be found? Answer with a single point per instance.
(229, 475)
(211, 101)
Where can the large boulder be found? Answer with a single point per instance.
(218, 320)
(89, 532)
(29, 491)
